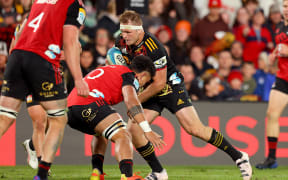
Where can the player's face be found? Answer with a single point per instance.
(285, 10)
(143, 78)
(131, 36)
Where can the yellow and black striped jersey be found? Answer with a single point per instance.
(151, 47)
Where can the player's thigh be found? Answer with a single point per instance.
(278, 98)
(14, 83)
(189, 119)
(45, 80)
(85, 118)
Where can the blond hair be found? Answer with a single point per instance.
(131, 16)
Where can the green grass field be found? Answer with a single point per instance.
(82, 172)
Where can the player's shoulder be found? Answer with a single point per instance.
(152, 43)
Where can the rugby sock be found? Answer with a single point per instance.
(39, 159)
(272, 145)
(97, 162)
(126, 167)
(31, 145)
(43, 169)
(148, 153)
(220, 142)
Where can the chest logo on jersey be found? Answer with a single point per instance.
(281, 37)
(46, 1)
(81, 16)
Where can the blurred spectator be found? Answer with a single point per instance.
(26, 4)
(90, 20)
(225, 64)
(101, 46)
(251, 6)
(249, 83)
(223, 40)
(242, 20)
(153, 21)
(216, 91)
(180, 45)
(237, 54)
(257, 39)
(164, 34)
(3, 60)
(274, 18)
(197, 60)
(10, 15)
(203, 32)
(190, 81)
(235, 80)
(180, 10)
(108, 19)
(269, 81)
(261, 75)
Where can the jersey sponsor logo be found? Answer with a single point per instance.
(29, 99)
(47, 86)
(52, 50)
(81, 16)
(174, 78)
(180, 101)
(151, 44)
(136, 84)
(96, 94)
(46, 1)
(166, 90)
(87, 113)
(160, 63)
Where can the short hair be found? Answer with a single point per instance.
(143, 63)
(130, 16)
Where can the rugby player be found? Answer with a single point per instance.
(166, 91)
(94, 115)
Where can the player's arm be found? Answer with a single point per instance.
(159, 82)
(75, 19)
(135, 112)
(18, 31)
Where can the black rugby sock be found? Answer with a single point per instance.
(97, 162)
(31, 145)
(272, 145)
(43, 169)
(220, 142)
(126, 167)
(148, 153)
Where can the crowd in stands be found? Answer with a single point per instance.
(220, 47)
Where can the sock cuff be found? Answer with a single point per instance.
(45, 165)
(143, 148)
(146, 150)
(98, 156)
(272, 139)
(126, 161)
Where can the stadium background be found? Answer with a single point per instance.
(98, 35)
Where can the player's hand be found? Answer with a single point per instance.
(155, 139)
(82, 88)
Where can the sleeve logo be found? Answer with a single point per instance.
(160, 63)
(81, 16)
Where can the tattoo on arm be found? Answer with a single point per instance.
(133, 111)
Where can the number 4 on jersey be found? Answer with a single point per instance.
(34, 23)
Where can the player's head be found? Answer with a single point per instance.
(144, 69)
(131, 27)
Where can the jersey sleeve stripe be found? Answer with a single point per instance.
(153, 43)
(148, 46)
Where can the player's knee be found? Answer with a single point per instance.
(193, 131)
(115, 128)
(40, 125)
(9, 113)
(56, 112)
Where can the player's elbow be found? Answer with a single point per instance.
(160, 85)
